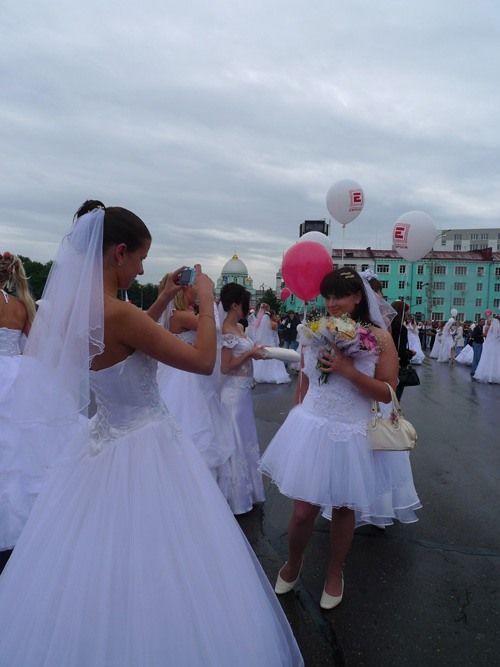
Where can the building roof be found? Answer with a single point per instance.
(455, 255)
(234, 266)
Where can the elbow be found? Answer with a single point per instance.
(207, 367)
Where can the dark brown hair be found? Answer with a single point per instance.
(234, 293)
(120, 225)
(344, 282)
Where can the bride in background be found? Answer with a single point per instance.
(130, 554)
(17, 486)
(267, 370)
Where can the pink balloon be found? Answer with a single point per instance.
(304, 267)
(285, 293)
(488, 313)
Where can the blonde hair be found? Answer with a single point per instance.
(13, 276)
(180, 301)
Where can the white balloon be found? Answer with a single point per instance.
(345, 200)
(413, 235)
(454, 312)
(317, 237)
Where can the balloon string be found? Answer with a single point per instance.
(343, 243)
(300, 369)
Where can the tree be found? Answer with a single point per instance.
(271, 298)
(37, 275)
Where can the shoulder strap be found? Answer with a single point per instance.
(5, 296)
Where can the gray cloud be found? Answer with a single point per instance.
(224, 124)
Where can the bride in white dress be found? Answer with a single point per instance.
(17, 488)
(488, 368)
(414, 343)
(243, 485)
(320, 456)
(267, 370)
(194, 399)
(130, 555)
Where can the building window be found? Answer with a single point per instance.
(479, 303)
(496, 303)
(479, 287)
(497, 272)
(418, 300)
(440, 270)
(439, 285)
(460, 270)
(457, 237)
(364, 267)
(384, 284)
(480, 270)
(420, 270)
(459, 287)
(458, 301)
(478, 246)
(350, 266)
(443, 239)
(438, 301)
(383, 268)
(420, 284)
(497, 287)
(457, 246)
(402, 268)
(437, 317)
(477, 317)
(402, 284)
(484, 236)
(474, 237)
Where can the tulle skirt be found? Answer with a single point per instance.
(195, 402)
(239, 478)
(415, 345)
(271, 371)
(488, 368)
(131, 557)
(310, 459)
(444, 352)
(466, 356)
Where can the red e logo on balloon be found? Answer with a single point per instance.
(400, 235)
(356, 200)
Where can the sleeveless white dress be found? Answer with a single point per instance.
(321, 455)
(239, 478)
(270, 371)
(194, 400)
(131, 555)
(415, 345)
(488, 368)
(437, 345)
(16, 491)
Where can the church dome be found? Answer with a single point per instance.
(234, 267)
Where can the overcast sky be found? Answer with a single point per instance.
(223, 123)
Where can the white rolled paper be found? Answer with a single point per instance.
(282, 354)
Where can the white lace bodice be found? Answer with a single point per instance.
(127, 397)
(10, 342)
(338, 400)
(242, 375)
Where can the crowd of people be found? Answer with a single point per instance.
(120, 484)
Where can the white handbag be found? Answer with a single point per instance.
(392, 433)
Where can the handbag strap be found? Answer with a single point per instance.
(395, 403)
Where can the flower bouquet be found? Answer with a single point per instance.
(342, 332)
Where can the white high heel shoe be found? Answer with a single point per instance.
(281, 587)
(331, 601)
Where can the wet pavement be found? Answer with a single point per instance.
(421, 594)
(426, 593)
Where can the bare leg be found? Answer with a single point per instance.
(341, 533)
(300, 530)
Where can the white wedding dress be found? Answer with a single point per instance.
(466, 356)
(488, 368)
(447, 341)
(240, 479)
(16, 489)
(437, 345)
(268, 370)
(321, 455)
(194, 400)
(131, 556)
(415, 345)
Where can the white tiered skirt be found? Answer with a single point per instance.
(328, 464)
(131, 557)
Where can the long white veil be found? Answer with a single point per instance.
(52, 388)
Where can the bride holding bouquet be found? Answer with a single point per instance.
(320, 457)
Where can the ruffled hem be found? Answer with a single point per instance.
(115, 567)
(308, 462)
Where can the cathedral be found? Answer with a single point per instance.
(235, 271)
